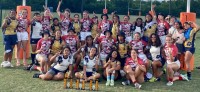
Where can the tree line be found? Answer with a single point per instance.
(120, 6)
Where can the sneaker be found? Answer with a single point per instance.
(169, 83)
(112, 83)
(32, 67)
(108, 83)
(184, 77)
(126, 82)
(137, 85)
(36, 75)
(153, 79)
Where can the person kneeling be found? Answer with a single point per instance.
(64, 61)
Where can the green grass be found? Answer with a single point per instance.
(17, 80)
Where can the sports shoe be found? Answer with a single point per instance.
(107, 82)
(32, 67)
(153, 79)
(169, 83)
(127, 82)
(112, 83)
(137, 85)
(184, 77)
(36, 75)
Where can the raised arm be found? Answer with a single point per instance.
(58, 8)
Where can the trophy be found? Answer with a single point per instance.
(68, 82)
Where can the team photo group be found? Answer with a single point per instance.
(88, 47)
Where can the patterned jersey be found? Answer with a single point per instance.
(155, 52)
(126, 28)
(190, 37)
(71, 41)
(46, 20)
(90, 63)
(76, 26)
(104, 26)
(122, 48)
(162, 28)
(106, 45)
(22, 24)
(10, 29)
(56, 46)
(86, 25)
(167, 50)
(44, 46)
(64, 64)
(139, 45)
(132, 63)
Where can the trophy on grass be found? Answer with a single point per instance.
(68, 82)
(95, 81)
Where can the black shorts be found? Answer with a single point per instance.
(34, 40)
(180, 47)
(54, 71)
(192, 50)
(88, 74)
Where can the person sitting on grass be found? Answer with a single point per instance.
(111, 67)
(135, 70)
(173, 64)
(43, 50)
(57, 72)
(156, 57)
(90, 66)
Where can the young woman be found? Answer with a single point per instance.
(46, 19)
(22, 35)
(104, 25)
(95, 26)
(134, 69)
(138, 27)
(115, 26)
(10, 36)
(55, 27)
(139, 44)
(125, 26)
(189, 34)
(149, 27)
(173, 64)
(179, 38)
(90, 68)
(76, 25)
(43, 50)
(122, 47)
(57, 72)
(36, 28)
(106, 44)
(111, 67)
(57, 45)
(86, 24)
(65, 19)
(155, 51)
(85, 49)
(72, 41)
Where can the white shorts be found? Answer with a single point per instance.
(129, 39)
(22, 36)
(176, 62)
(38, 56)
(84, 35)
(162, 39)
(143, 57)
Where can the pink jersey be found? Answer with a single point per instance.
(106, 44)
(86, 25)
(104, 26)
(132, 63)
(71, 41)
(162, 28)
(139, 45)
(22, 24)
(174, 50)
(46, 20)
(44, 46)
(126, 28)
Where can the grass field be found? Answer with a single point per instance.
(17, 80)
